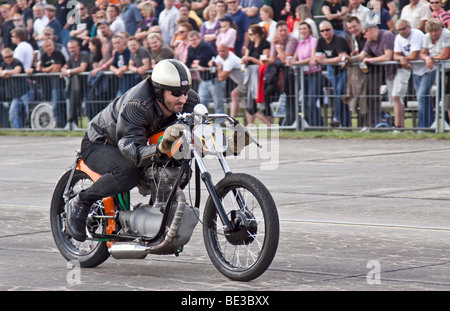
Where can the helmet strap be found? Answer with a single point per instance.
(160, 98)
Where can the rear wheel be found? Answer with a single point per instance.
(88, 253)
(247, 252)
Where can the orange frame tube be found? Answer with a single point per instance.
(108, 202)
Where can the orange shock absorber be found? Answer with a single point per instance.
(110, 210)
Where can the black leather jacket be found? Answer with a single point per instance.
(130, 119)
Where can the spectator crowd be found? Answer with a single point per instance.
(247, 44)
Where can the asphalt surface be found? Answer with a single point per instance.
(355, 215)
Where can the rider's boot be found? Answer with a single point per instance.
(77, 213)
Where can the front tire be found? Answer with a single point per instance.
(88, 253)
(246, 253)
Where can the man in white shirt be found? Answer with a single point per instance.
(229, 66)
(168, 20)
(407, 47)
(355, 8)
(417, 13)
(41, 21)
(116, 23)
(23, 51)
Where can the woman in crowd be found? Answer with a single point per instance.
(210, 26)
(95, 48)
(303, 14)
(257, 47)
(149, 19)
(313, 78)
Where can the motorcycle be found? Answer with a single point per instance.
(240, 219)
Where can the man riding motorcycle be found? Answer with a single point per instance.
(115, 145)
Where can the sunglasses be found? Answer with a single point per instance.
(8, 57)
(179, 93)
(324, 30)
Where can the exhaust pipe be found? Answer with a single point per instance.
(137, 251)
(128, 251)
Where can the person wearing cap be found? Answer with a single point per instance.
(115, 144)
(107, 46)
(50, 12)
(378, 48)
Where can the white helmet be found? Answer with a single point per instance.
(171, 74)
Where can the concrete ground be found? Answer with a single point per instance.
(362, 215)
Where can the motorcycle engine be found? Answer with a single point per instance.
(157, 180)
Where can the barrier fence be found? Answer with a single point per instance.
(344, 97)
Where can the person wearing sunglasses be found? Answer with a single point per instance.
(439, 13)
(13, 87)
(330, 50)
(115, 144)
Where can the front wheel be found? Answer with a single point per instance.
(247, 252)
(88, 253)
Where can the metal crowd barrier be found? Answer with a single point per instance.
(363, 101)
(346, 99)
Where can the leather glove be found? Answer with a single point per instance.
(193, 98)
(171, 134)
(238, 141)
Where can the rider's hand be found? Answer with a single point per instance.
(171, 134)
(238, 141)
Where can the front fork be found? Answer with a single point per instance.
(206, 177)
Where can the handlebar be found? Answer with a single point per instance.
(202, 116)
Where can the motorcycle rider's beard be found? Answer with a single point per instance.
(173, 108)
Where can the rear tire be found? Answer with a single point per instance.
(88, 253)
(247, 253)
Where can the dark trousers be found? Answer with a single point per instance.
(118, 174)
